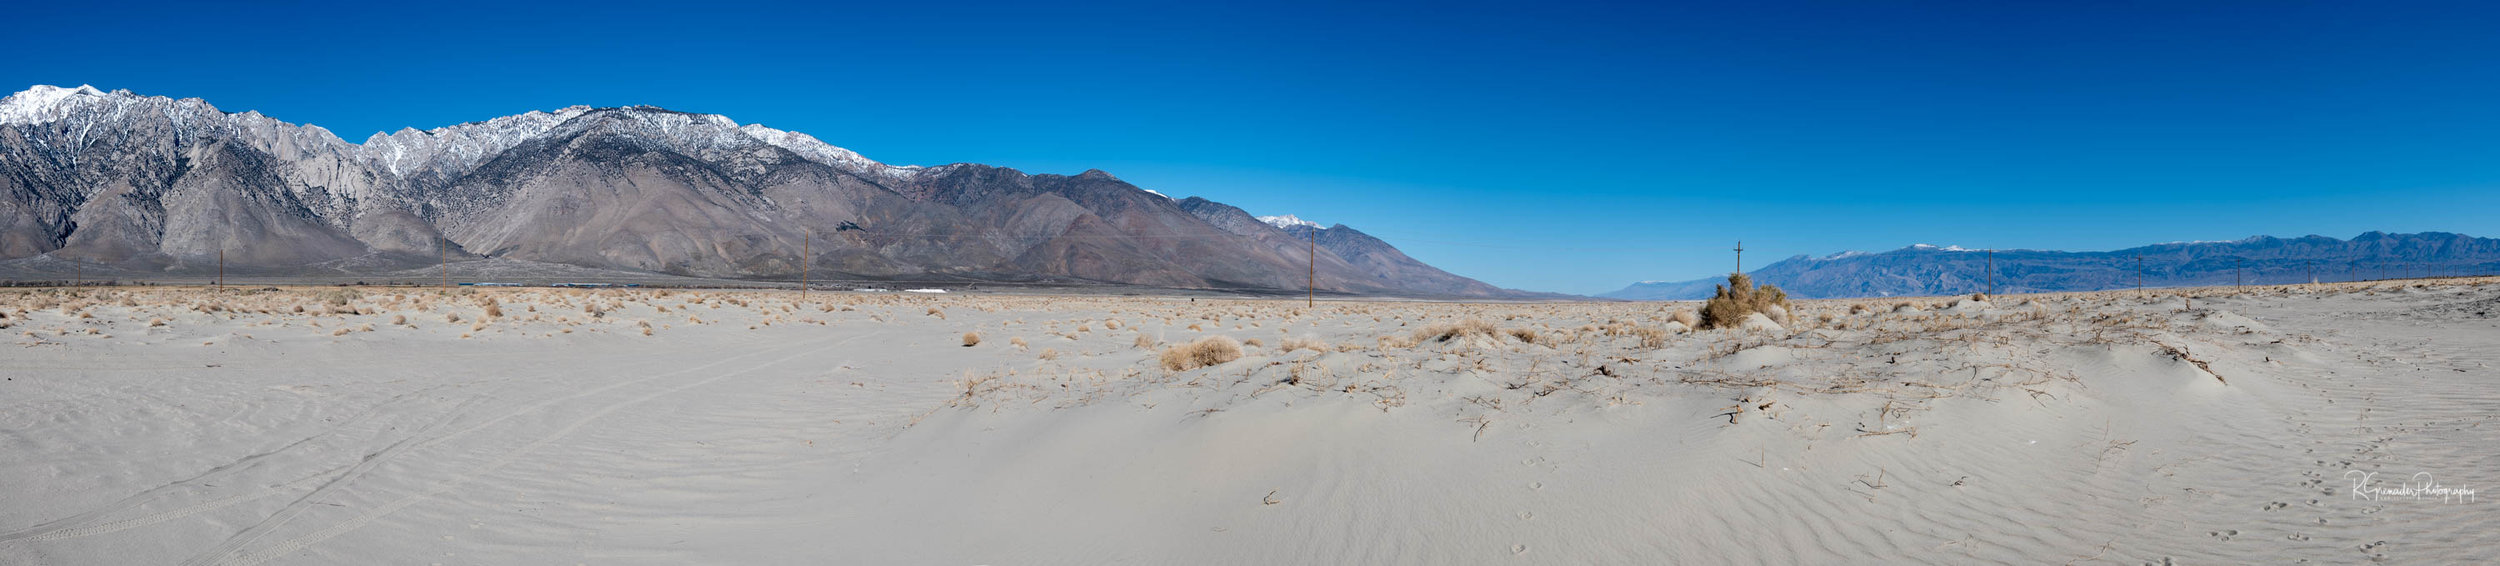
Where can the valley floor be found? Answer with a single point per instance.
(525, 426)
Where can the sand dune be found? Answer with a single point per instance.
(314, 425)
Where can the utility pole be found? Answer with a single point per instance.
(806, 250)
(2139, 275)
(1740, 256)
(2237, 265)
(221, 267)
(1310, 297)
(438, 263)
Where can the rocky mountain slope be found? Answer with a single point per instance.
(1931, 270)
(146, 185)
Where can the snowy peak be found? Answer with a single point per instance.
(1286, 221)
(445, 151)
(45, 103)
(809, 147)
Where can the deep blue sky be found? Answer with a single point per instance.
(1541, 145)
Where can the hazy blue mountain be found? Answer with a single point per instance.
(1930, 270)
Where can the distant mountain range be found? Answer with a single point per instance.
(150, 186)
(1930, 270)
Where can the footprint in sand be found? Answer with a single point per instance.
(1526, 515)
(1518, 549)
(1536, 486)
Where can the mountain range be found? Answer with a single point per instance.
(150, 186)
(1931, 270)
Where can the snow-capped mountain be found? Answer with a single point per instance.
(148, 184)
(1288, 221)
(1924, 269)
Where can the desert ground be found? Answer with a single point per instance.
(2341, 423)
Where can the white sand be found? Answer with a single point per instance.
(856, 428)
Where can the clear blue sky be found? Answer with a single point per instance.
(1542, 145)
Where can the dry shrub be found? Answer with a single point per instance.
(1049, 353)
(1446, 331)
(972, 339)
(1018, 342)
(494, 310)
(1731, 303)
(1527, 335)
(1207, 351)
(451, 317)
(399, 319)
(1291, 344)
(1651, 338)
(1145, 342)
(1254, 343)
(1688, 317)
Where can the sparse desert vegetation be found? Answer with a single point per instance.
(1940, 414)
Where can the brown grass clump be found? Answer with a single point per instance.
(1446, 331)
(494, 310)
(972, 339)
(1732, 302)
(1018, 342)
(1254, 343)
(1207, 351)
(1049, 354)
(451, 317)
(1526, 335)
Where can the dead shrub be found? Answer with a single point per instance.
(1207, 351)
(1731, 303)
(1291, 344)
(1651, 338)
(1446, 331)
(972, 339)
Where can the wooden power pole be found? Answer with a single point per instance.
(807, 249)
(2139, 275)
(221, 267)
(1310, 291)
(1740, 256)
